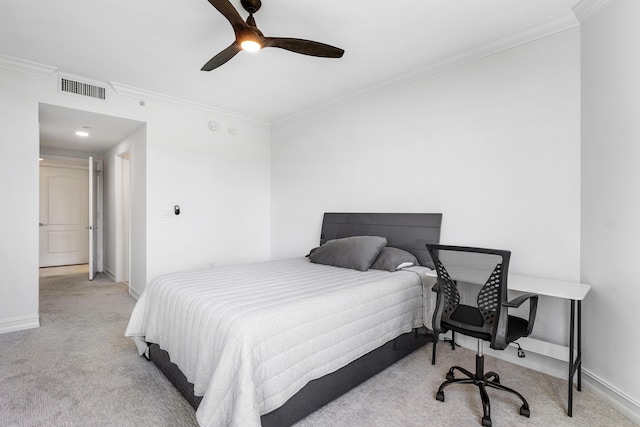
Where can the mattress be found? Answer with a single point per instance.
(249, 337)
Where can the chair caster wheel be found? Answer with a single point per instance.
(440, 396)
(450, 376)
(524, 411)
(486, 422)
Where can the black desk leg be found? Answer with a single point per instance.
(571, 363)
(580, 345)
(575, 359)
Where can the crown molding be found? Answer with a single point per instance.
(25, 66)
(587, 8)
(143, 95)
(43, 70)
(525, 35)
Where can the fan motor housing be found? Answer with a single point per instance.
(251, 6)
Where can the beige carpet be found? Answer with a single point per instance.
(77, 369)
(404, 395)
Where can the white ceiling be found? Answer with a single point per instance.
(159, 46)
(58, 126)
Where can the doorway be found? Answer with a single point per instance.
(104, 142)
(70, 214)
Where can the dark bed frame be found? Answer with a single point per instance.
(408, 231)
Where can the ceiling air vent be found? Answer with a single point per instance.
(77, 87)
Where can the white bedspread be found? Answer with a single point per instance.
(249, 337)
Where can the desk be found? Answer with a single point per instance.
(572, 291)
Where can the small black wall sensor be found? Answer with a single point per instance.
(176, 209)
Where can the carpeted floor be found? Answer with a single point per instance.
(77, 369)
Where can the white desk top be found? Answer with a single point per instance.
(542, 286)
(548, 287)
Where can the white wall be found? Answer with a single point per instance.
(610, 195)
(139, 255)
(136, 145)
(110, 192)
(221, 180)
(222, 184)
(493, 145)
(19, 227)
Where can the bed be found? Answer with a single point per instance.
(268, 343)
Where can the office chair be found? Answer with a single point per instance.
(472, 300)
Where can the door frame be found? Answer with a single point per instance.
(96, 231)
(122, 271)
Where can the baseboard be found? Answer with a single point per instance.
(19, 324)
(543, 348)
(548, 363)
(622, 402)
(133, 294)
(110, 274)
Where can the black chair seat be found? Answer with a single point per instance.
(467, 315)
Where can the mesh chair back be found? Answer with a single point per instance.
(472, 284)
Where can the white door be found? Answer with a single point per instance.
(64, 216)
(93, 218)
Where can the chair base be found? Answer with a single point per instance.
(482, 381)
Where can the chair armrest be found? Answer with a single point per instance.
(533, 307)
(517, 302)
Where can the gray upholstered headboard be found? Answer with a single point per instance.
(407, 231)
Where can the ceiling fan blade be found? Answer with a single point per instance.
(305, 47)
(222, 57)
(229, 12)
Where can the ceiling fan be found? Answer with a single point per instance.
(250, 38)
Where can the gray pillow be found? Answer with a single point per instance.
(357, 252)
(391, 258)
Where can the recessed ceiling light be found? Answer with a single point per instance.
(82, 133)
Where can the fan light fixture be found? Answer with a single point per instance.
(251, 45)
